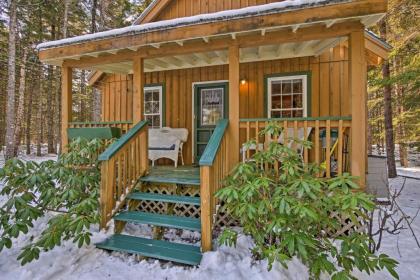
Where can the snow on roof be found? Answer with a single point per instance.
(145, 12)
(378, 39)
(272, 8)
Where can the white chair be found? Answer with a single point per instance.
(167, 143)
(290, 134)
(252, 147)
(182, 135)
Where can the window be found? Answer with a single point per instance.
(153, 106)
(287, 96)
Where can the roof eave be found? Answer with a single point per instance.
(189, 32)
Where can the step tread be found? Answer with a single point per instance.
(170, 180)
(162, 220)
(159, 249)
(164, 198)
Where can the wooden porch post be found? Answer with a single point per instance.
(358, 85)
(233, 130)
(138, 84)
(66, 104)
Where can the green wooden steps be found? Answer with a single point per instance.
(164, 198)
(161, 220)
(182, 175)
(163, 180)
(189, 176)
(180, 253)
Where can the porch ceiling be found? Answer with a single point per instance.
(220, 57)
(214, 36)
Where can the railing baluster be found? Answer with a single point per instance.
(328, 149)
(285, 133)
(257, 137)
(295, 133)
(317, 142)
(266, 144)
(120, 185)
(305, 136)
(247, 139)
(340, 147)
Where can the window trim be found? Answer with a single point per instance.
(307, 98)
(161, 89)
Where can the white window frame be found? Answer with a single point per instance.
(282, 78)
(153, 88)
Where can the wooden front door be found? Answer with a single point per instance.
(211, 105)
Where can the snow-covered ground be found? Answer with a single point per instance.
(69, 262)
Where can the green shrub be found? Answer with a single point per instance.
(68, 188)
(288, 213)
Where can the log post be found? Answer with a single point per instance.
(233, 130)
(358, 85)
(66, 104)
(138, 85)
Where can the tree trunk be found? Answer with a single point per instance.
(97, 105)
(58, 110)
(369, 139)
(96, 98)
(50, 98)
(10, 111)
(389, 130)
(399, 92)
(29, 121)
(66, 17)
(58, 97)
(83, 95)
(93, 28)
(21, 104)
(39, 129)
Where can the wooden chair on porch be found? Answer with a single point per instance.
(167, 143)
(290, 135)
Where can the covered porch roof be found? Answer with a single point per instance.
(271, 31)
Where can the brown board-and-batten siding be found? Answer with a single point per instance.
(329, 92)
(185, 8)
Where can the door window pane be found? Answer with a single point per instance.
(211, 106)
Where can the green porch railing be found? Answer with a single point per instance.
(213, 145)
(119, 144)
(329, 118)
(329, 136)
(214, 167)
(124, 126)
(122, 164)
(99, 123)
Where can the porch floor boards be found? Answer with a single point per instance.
(184, 175)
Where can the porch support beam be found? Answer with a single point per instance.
(66, 104)
(317, 32)
(233, 130)
(138, 84)
(358, 85)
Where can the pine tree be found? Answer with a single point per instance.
(10, 115)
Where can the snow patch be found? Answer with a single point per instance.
(70, 262)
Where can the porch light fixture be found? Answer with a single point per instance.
(243, 81)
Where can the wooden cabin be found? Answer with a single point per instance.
(222, 70)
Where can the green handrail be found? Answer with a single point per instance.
(117, 145)
(330, 118)
(100, 123)
(214, 143)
